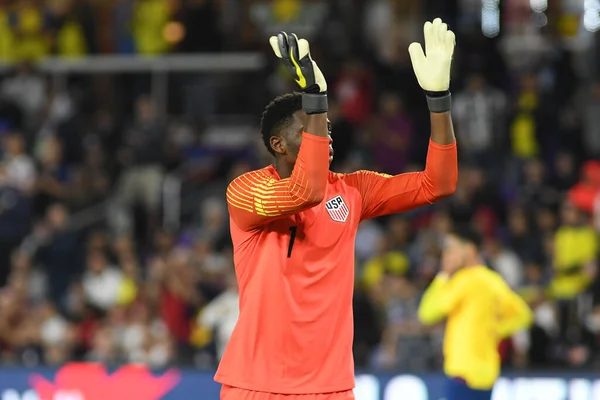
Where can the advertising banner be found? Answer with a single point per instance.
(84, 381)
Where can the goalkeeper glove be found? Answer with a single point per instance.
(433, 70)
(294, 53)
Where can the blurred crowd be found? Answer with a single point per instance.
(129, 287)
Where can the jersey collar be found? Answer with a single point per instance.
(271, 168)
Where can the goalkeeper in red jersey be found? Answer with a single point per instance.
(294, 223)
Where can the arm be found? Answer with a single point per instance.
(440, 299)
(256, 198)
(384, 194)
(515, 314)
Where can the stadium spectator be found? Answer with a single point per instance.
(150, 18)
(27, 90)
(56, 338)
(480, 112)
(354, 92)
(525, 125)
(565, 172)
(144, 339)
(392, 137)
(175, 283)
(66, 29)
(18, 169)
(36, 280)
(29, 27)
(575, 249)
(535, 190)
(504, 261)
(404, 343)
(6, 34)
(53, 181)
(584, 194)
(545, 325)
(122, 41)
(521, 237)
(101, 281)
(141, 156)
(387, 260)
(221, 314)
(91, 180)
(103, 347)
(57, 249)
(588, 105)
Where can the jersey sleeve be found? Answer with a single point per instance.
(514, 314)
(441, 297)
(257, 198)
(385, 194)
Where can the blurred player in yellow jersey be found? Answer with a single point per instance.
(480, 309)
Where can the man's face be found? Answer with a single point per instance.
(476, 83)
(145, 109)
(14, 144)
(288, 143)
(454, 254)
(96, 263)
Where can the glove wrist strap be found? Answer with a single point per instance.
(314, 103)
(439, 102)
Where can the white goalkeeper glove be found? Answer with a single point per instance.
(294, 53)
(432, 67)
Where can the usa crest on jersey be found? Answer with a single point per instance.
(337, 209)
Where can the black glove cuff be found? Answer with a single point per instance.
(314, 103)
(439, 102)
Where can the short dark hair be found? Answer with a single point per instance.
(278, 114)
(468, 235)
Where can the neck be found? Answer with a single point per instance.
(474, 262)
(283, 169)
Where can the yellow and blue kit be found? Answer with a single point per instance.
(481, 310)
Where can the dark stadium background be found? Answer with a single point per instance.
(104, 101)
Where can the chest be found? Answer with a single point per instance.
(327, 226)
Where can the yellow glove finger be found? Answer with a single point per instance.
(303, 48)
(450, 42)
(275, 46)
(417, 56)
(435, 32)
(428, 34)
(442, 29)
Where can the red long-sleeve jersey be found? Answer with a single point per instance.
(294, 257)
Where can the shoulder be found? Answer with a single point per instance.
(589, 231)
(359, 175)
(258, 175)
(491, 274)
(475, 275)
(461, 276)
(266, 172)
(494, 279)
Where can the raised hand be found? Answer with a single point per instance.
(432, 67)
(294, 53)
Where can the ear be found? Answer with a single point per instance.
(278, 144)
